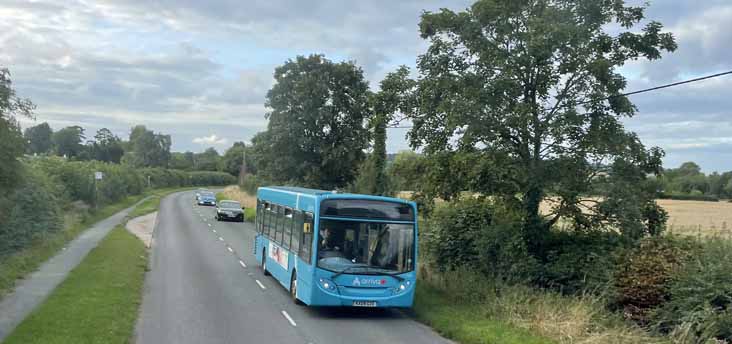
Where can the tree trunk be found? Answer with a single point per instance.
(379, 156)
(535, 231)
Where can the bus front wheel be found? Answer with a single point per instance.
(293, 289)
(264, 264)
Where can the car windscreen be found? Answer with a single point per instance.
(230, 205)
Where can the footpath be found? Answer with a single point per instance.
(33, 290)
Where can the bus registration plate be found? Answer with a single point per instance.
(364, 303)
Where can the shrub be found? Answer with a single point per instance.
(644, 273)
(251, 183)
(29, 211)
(478, 235)
(699, 306)
(689, 197)
(578, 262)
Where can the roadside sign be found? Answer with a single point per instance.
(98, 175)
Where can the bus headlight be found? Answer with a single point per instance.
(327, 285)
(402, 287)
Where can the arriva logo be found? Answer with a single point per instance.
(365, 281)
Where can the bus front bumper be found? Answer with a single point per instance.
(342, 296)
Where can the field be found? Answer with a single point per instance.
(685, 217)
(236, 194)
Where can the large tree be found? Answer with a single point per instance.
(12, 144)
(231, 161)
(316, 128)
(106, 146)
(533, 88)
(39, 138)
(207, 161)
(69, 141)
(147, 148)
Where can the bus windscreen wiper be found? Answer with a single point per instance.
(346, 270)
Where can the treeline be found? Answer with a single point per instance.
(36, 192)
(690, 183)
(143, 148)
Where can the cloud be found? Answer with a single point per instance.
(210, 140)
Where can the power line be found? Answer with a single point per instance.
(626, 94)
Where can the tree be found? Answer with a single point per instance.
(39, 138)
(148, 149)
(316, 124)
(407, 170)
(12, 144)
(181, 161)
(231, 162)
(394, 96)
(68, 141)
(106, 147)
(533, 88)
(207, 161)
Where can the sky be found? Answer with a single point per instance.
(200, 70)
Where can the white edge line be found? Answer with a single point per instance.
(260, 284)
(242, 264)
(230, 250)
(292, 322)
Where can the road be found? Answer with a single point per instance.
(204, 286)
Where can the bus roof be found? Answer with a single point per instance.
(299, 190)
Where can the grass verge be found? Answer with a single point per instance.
(473, 309)
(465, 322)
(20, 264)
(97, 303)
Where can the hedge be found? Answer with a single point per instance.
(689, 197)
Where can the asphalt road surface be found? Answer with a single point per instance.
(205, 286)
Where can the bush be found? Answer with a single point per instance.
(699, 306)
(29, 212)
(645, 272)
(251, 183)
(478, 235)
(689, 197)
(579, 262)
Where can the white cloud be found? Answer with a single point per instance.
(210, 140)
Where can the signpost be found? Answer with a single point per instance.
(97, 177)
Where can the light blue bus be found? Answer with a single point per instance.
(336, 249)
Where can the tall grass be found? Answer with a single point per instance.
(559, 318)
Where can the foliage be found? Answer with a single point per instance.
(231, 162)
(699, 306)
(251, 182)
(106, 147)
(476, 234)
(689, 197)
(68, 141)
(580, 262)
(29, 212)
(406, 171)
(12, 144)
(643, 276)
(147, 149)
(534, 89)
(316, 133)
(39, 138)
(181, 161)
(207, 161)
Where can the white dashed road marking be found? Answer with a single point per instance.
(230, 250)
(260, 284)
(242, 264)
(209, 225)
(287, 316)
(221, 239)
(214, 230)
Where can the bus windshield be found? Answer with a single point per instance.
(358, 247)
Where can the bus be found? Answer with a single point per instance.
(337, 249)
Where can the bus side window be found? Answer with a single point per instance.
(268, 219)
(287, 228)
(280, 222)
(307, 237)
(258, 218)
(297, 221)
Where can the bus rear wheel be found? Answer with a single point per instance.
(264, 264)
(293, 289)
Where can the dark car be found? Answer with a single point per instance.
(207, 198)
(229, 210)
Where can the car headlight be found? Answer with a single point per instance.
(327, 285)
